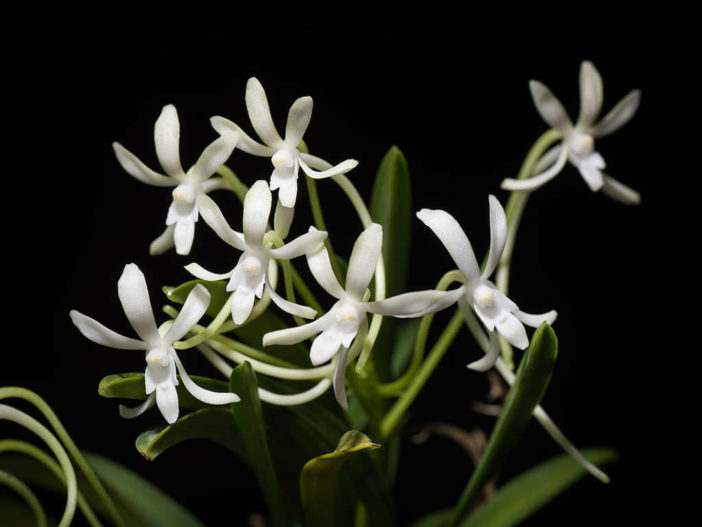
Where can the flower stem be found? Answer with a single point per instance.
(233, 182)
(26, 494)
(393, 417)
(320, 224)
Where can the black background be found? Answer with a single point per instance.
(452, 93)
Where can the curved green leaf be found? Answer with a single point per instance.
(534, 488)
(131, 386)
(215, 424)
(141, 503)
(248, 419)
(529, 387)
(319, 479)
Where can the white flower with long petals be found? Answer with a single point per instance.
(497, 312)
(183, 212)
(248, 277)
(286, 158)
(339, 326)
(578, 145)
(161, 359)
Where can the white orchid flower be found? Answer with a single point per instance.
(339, 326)
(183, 212)
(285, 156)
(578, 145)
(250, 274)
(497, 312)
(161, 359)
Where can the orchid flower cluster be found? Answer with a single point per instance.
(345, 334)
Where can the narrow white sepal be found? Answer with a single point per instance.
(200, 393)
(167, 142)
(260, 114)
(590, 94)
(616, 190)
(535, 321)
(512, 329)
(134, 296)
(303, 244)
(164, 241)
(282, 219)
(538, 180)
(224, 126)
(341, 168)
(339, 377)
(257, 209)
(290, 307)
(415, 303)
(214, 156)
(213, 216)
(549, 107)
(203, 274)
(135, 168)
(321, 268)
(618, 116)
(498, 235)
(93, 330)
(490, 358)
(299, 117)
(297, 334)
(194, 307)
(131, 413)
(363, 260)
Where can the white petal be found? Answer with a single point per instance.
(299, 117)
(242, 303)
(183, 236)
(282, 219)
(498, 235)
(290, 307)
(194, 307)
(260, 113)
(548, 158)
(304, 244)
(454, 239)
(297, 334)
(549, 107)
(416, 303)
(167, 401)
(363, 260)
(134, 296)
(592, 175)
(341, 168)
(164, 242)
(538, 180)
(536, 320)
(93, 330)
(203, 274)
(131, 164)
(590, 94)
(131, 413)
(321, 268)
(618, 116)
(287, 190)
(490, 358)
(324, 347)
(213, 157)
(339, 377)
(511, 328)
(246, 144)
(206, 396)
(257, 209)
(616, 190)
(213, 216)
(167, 140)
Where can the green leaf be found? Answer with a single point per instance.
(438, 518)
(403, 347)
(529, 387)
(215, 424)
(131, 386)
(533, 489)
(391, 207)
(249, 423)
(319, 479)
(141, 503)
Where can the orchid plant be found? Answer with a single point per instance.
(298, 399)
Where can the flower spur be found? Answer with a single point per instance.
(161, 359)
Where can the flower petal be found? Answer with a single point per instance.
(242, 303)
(454, 239)
(131, 413)
(164, 242)
(512, 329)
(304, 244)
(538, 180)
(416, 303)
(134, 296)
(203, 274)
(206, 396)
(498, 235)
(535, 321)
(93, 330)
(616, 190)
(618, 116)
(282, 219)
(324, 347)
(287, 189)
(290, 307)
(590, 94)
(257, 209)
(339, 377)
(321, 268)
(167, 401)
(297, 334)
(213, 216)
(167, 140)
(183, 236)
(335, 170)
(299, 117)
(260, 114)
(135, 168)
(363, 260)
(549, 107)
(490, 358)
(214, 156)
(246, 144)
(194, 307)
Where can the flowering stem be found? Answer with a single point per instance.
(304, 291)
(45, 409)
(393, 417)
(319, 222)
(233, 182)
(290, 290)
(27, 495)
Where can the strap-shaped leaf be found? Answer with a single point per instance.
(215, 424)
(529, 387)
(319, 479)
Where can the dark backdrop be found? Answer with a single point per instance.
(456, 102)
